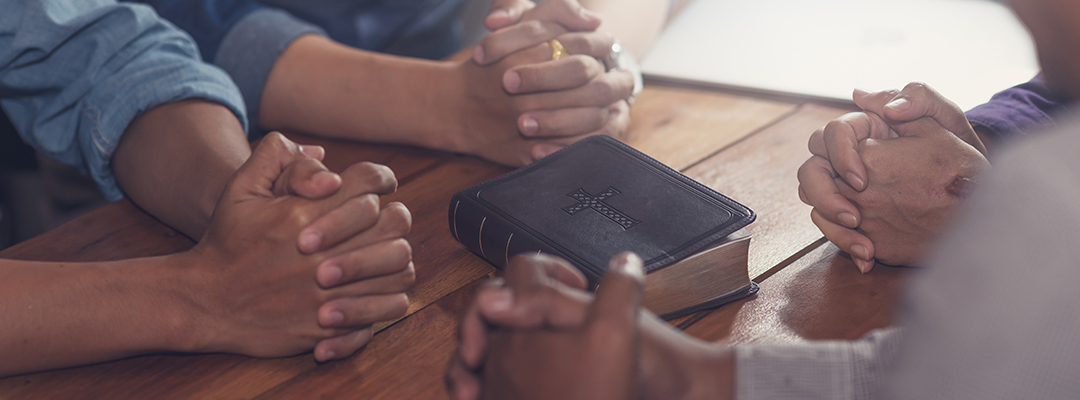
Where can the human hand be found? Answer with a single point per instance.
(545, 294)
(522, 105)
(260, 295)
(835, 154)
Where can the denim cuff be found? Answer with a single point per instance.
(117, 101)
(251, 48)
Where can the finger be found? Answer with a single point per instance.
(604, 90)
(565, 73)
(851, 241)
(355, 312)
(461, 382)
(568, 13)
(397, 282)
(527, 271)
(257, 175)
(506, 12)
(513, 39)
(819, 190)
(342, 346)
(595, 44)
(336, 214)
(307, 178)
(382, 258)
(564, 122)
(617, 126)
(919, 100)
(349, 219)
(874, 101)
(394, 222)
(473, 330)
(619, 295)
(842, 136)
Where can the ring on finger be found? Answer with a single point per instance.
(557, 49)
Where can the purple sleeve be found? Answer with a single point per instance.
(1017, 110)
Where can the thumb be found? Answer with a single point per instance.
(268, 160)
(619, 295)
(506, 12)
(568, 13)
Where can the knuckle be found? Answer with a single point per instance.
(398, 220)
(408, 276)
(532, 28)
(916, 87)
(402, 251)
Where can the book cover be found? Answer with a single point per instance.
(590, 201)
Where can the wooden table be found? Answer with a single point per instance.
(748, 147)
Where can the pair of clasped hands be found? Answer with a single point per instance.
(885, 182)
(512, 74)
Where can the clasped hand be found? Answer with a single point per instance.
(523, 104)
(297, 257)
(884, 182)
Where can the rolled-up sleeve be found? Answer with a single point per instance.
(242, 37)
(816, 370)
(75, 73)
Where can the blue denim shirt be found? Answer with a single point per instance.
(74, 73)
(245, 37)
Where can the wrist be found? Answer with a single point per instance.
(676, 366)
(187, 324)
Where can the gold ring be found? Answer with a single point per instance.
(557, 49)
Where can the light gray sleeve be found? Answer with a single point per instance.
(250, 49)
(815, 370)
(997, 313)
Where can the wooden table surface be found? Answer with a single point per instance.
(745, 146)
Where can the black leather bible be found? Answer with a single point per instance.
(599, 197)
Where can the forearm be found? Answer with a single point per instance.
(329, 89)
(175, 160)
(636, 23)
(57, 315)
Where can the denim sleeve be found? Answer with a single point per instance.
(75, 73)
(1017, 110)
(242, 37)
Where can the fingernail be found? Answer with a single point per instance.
(312, 151)
(511, 81)
(336, 317)
(860, 92)
(323, 177)
(329, 355)
(310, 241)
(855, 181)
(629, 262)
(529, 127)
(478, 54)
(848, 219)
(331, 275)
(589, 14)
(500, 13)
(864, 266)
(499, 301)
(860, 251)
(899, 105)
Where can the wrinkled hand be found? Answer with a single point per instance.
(525, 105)
(261, 295)
(543, 301)
(836, 154)
(917, 183)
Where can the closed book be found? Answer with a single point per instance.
(599, 197)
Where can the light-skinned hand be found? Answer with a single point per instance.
(836, 154)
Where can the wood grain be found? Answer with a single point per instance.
(820, 296)
(760, 172)
(681, 126)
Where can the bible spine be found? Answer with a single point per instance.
(496, 239)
